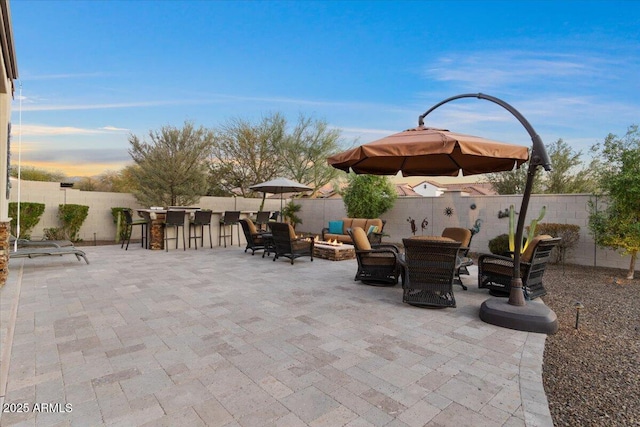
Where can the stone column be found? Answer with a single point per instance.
(5, 249)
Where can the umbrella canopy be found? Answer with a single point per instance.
(279, 186)
(430, 152)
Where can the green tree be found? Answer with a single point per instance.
(171, 168)
(30, 173)
(568, 175)
(368, 196)
(512, 182)
(303, 152)
(244, 154)
(618, 174)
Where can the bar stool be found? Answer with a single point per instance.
(174, 219)
(262, 218)
(200, 219)
(129, 224)
(230, 219)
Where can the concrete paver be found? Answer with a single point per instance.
(218, 337)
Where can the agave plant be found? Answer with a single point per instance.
(531, 233)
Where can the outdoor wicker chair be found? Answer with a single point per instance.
(462, 235)
(431, 268)
(380, 265)
(495, 271)
(287, 244)
(255, 239)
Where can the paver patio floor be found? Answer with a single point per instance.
(222, 338)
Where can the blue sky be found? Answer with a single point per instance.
(94, 72)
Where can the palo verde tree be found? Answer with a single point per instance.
(567, 175)
(513, 181)
(172, 168)
(303, 152)
(244, 154)
(368, 196)
(618, 176)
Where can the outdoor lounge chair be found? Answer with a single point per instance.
(255, 240)
(287, 244)
(431, 266)
(462, 235)
(379, 265)
(495, 271)
(26, 243)
(32, 252)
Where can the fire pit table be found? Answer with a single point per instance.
(333, 251)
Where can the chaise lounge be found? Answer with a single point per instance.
(32, 252)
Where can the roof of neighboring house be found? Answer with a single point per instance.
(474, 189)
(405, 190)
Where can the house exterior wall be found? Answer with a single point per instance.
(426, 189)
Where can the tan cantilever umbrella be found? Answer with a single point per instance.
(431, 152)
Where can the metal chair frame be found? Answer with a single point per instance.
(174, 219)
(200, 219)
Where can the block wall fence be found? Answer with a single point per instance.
(316, 213)
(562, 208)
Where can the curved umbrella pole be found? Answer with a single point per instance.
(538, 318)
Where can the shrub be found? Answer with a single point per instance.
(30, 214)
(120, 222)
(569, 233)
(289, 212)
(499, 245)
(72, 217)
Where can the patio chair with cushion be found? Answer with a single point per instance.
(287, 244)
(255, 239)
(462, 235)
(495, 271)
(431, 268)
(380, 265)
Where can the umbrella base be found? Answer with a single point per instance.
(532, 317)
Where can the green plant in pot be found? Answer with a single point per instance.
(289, 213)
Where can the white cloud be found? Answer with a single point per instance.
(114, 129)
(43, 130)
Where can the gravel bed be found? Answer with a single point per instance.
(592, 374)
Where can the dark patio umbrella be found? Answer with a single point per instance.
(280, 186)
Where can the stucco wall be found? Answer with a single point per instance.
(316, 213)
(564, 209)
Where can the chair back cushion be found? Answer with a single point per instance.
(292, 232)
(251, 226)
(458, 234)
(360, 240)
(528, 253)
